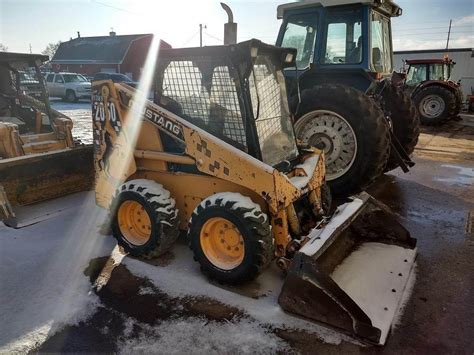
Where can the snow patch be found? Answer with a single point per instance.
(406, 297)
(199, 336)
(308, 166)
(318, 237)
(375, 276)
(241, 202)
(182, 278)
(43, 286)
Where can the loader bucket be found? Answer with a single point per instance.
(352, 273)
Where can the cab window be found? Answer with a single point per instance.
(50, 78)
(344, 41)
(381, 44)
(437, 72)
(416, 74)
(58, 79)
(300, 33)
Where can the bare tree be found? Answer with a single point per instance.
(51, 49)
(3, 48)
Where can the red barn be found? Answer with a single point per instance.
(113, 54)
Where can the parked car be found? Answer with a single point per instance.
(69, 86)
(116, 78)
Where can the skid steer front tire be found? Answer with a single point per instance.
(231, 238)
(145, 220)
(351, 129)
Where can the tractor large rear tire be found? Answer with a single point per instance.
(231, 238)
(351, 128)
(145, 220)
(436, 104)
(405, 121)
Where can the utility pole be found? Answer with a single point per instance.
(200, 33)
(449, 33)
(30, 49)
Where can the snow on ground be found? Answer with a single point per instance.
(80, 112)
(182, 278)
(44, 288)
(199, 336)
(43, 285)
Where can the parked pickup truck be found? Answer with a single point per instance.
(69, 86)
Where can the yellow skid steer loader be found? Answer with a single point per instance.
(215, 155)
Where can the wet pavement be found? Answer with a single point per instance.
(433, 202)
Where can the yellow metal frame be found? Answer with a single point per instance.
(224, 167)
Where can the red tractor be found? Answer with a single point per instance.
(437, 98)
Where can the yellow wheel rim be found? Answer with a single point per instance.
(134, 222)
(222, 243)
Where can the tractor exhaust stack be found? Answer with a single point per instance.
(230, 28)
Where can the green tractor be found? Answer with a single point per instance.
(341, 90)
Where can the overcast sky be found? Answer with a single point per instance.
(424, 23)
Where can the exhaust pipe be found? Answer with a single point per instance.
(230, 28)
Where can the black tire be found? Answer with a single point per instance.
(459, 102)
(253, 226)
(159, 206)
(71, 96)
(448, 97)
(405, 121)
(368, 123)
(326, 199)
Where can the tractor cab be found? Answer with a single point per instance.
(341, 36)
(421, 70)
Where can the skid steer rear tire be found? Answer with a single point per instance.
(367, 123)
(405, 121)
(145, 220)
(231, 238)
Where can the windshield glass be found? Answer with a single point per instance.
(437, 71)
(448, 68)
(300, 33)
(270, 108)
(381, 44)
(26, 77)
(416, 74)
(344, 43)
(74, 78)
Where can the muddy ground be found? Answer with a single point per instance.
(433, 201)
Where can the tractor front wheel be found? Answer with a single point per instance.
(351, 130)
(230, 237)
(145, 221)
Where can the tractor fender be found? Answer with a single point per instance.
(450, 85)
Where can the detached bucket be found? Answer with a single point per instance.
(352, 273)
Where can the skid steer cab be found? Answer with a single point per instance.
(215, 155)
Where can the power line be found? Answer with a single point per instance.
(190, 38)
(214, 37)
(429, 33)
(115, 7)
(429, 28)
